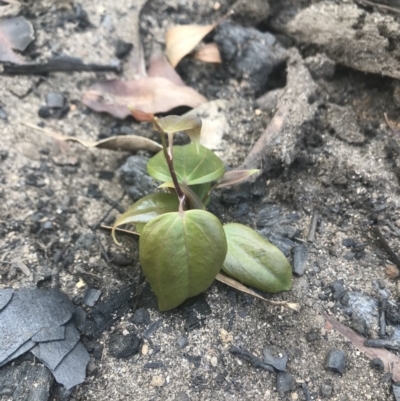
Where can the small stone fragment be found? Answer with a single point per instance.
(285, 382)
(121, 346)
(141, 316)
(279, 363)
(326, 390)
(338, 289)
(91, 296)
(396, 392)
(392, 272)
(336, 361)
(225, 336)
(377, 364)
(214, 361)
(122, 49)
(55, 100)
(145, 349)
(182, 341)
(157, 381)
(358, 323)
(299, 259)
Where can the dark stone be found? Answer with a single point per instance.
(121, 346)
(358, 323)
(80, 318)
(279, 363)
(285, 382)
(55, 100)
(194, 311)
(81, 16)
(108, 311)
(182, 341)
(141, 316)
(91, 296)
(338, 289)
(106, 175)
(196, 360)
(311, 336)
(336, 361)
(268, 216)
(377, 364)
(122, 49)
(153, 365)
(152, 328)
(93, 191)
(284, 244)
(299, 259)
(120, 259)
(349, 243)
(44, 112)
(3, 154)
(320, 66)
(392, 312)
(326, 390)
(253, 359)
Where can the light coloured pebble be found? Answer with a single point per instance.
(214, 361)
(125, 332)
(145, 349)
(225, 336)
(157, 381)
(295, 397)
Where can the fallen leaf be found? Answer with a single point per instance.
(235, 177)
(240, 287)
(160, 67)
(127, 143)
(391, 361)
(150, 95)
(182, 39)
(209, 53)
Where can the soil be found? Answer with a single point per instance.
(338, 158)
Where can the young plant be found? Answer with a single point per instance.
(182, 246)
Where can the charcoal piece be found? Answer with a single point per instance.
(194, 311)
(80, 318)
(106, 175)
(53, 352)
(349, 243)
(5, 297)
(285, 382)
(122, 49)
(195, 359)
(141, 316)
(91, 296)
(26, 382)
(51, 333)
(248, 54)
(377, 364)
(285, 245)
(20, 351)
(36, 309)
(72, 370)
(396, 392)
(358, 323)
(152, 328)
(338, 289)
(326, 390)
(382, 343)
(121, 346)
(279, 363)
(268, 216)
(120, 259)
(336, 361)
(243, 192)
(55, 100)
(248, 356)
(182, 341)
(108, 311)
(153, 365)
(299, 259)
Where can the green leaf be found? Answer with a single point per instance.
(254, 261)
(188, 123)
(147, 209)
(201, 191)
(191, 168)
(234, 177)
(181, 254)
(194, 200)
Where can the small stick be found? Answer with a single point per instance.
(313, 226)
(385, 245)
(114, 205)
(121, 230)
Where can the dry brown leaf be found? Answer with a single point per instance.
(391, 361)
(150, 95)
(240, 287)
(160, 67)
(127, 143)
(209, 53)
(182, 39)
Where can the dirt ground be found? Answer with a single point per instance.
(343, 162)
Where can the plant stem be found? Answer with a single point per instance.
(170, 163)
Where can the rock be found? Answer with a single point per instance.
(214, 361)
(350, 36)
(320, 66)
(377, 364)
(326, 390)
(152, 328)
(358, 323)
(182, 341)
(55, 100)
(157, 381)
(141, 316)
(250, 13)
(392, 272)
(248, 55)
(121, 346)
(299, 259)
(133, 174)
(279, 363)
(91, 296)
(122, 49)
(343, 123)
(364, 307)
(336, 361)
(285, 382)
(225, 336)
(338, 289)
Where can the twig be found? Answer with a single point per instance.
(313, 226)
(56, 65)
(114, 205)
(385, 245)
(121, 230)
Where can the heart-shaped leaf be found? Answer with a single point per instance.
(194, 200)
(254, 261)
(190, 124)
(181, 254)
(147, 209)
(191, 168)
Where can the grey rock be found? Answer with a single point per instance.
(326, 390)
(51, 333)
(320, 66)
(91, 296)
(18, 31)
(358, 323)
(121, 346)
(336, 361)
(55, 100)
(377, 364)
(363, 306)
(182, 341)
(279, 363)
(396, 392)
(3, 115)
(338, 290)
(299, 259)
(20, 351)
(141, 316)
(285, 382)
(5, 297)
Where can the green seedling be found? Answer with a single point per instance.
(182, 246)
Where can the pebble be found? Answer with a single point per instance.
(145, 349)
(338, 289)
(377, 364)
(336, 361)
(225, 336)
(326, 390)
(121, 346)
(214, 361)
(392, 272)
(157, 381)
(182, 341)
(285, 382)
(294, 397)
(299, 259)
